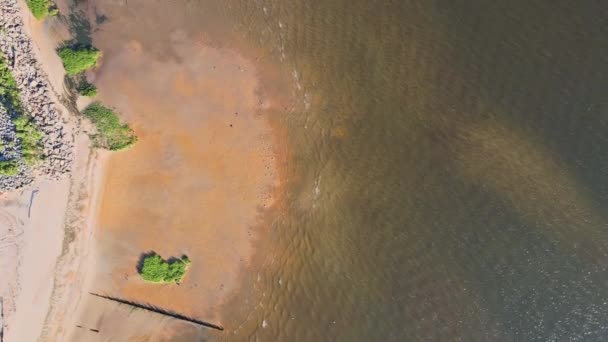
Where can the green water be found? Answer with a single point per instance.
(449, 174)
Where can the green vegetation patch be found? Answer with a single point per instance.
(9, 168)
(9, 93)
(111, 133)
(31, 139)
(41, 8)
(157, 270)
(77, 59)
(85, 88)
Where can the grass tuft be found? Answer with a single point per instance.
(42, 8)
(9, 93)
(157, 270)
(85, 88)
(9, 168)
(111, 133)
(31, 139)
(77, 59)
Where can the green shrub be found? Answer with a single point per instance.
(8, 168)
(9, 93)
(111, 133)
(157, 270)
(85, 88)
(78, 59)
(41, 8)
(31, 139)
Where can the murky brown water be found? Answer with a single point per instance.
(447, 173)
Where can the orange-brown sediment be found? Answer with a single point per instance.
(195, 182)
(202, 180)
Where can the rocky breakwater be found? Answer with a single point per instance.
(36, 104)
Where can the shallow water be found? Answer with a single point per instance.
(450, 157)
(447, 179)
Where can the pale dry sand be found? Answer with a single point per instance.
(73, 272)
(41, 224)
(46, 280)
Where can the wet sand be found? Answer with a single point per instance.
(196, 180)
(202, 180)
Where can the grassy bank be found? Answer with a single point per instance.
(31, 139)
(111, 134)
(9, 93)
(77, 59)
(157, 270)
(9, 168)
(41, 8)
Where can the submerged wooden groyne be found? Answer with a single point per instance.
(161, 311)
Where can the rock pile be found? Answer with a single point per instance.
(35, 95)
